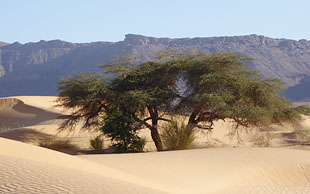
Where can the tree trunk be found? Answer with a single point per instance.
(192, 122)
(156, 139)
(154, 128)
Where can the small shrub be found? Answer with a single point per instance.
(96, 143)
(119, 126)
(303, 136)
(262, 140)
(135, 145)
(138, 146)
(60, 145)
(303, 110)
(177, 137)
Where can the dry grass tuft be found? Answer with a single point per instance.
(96, 143)
(176, 136)
(60, 145)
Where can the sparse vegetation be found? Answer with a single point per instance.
(303, 136)
(96, 143)
(60, 145)
(119, 126)
(262, 140)
(177, 136)
(216, 86)
(303, 110)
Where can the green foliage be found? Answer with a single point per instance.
(305, 110)
(119, 126)
(84, 95)
(147, 85)
(214, 86)
(97, 143)
(81, 90)
(177, 137)
(219, 86)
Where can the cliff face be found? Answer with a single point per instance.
(288, 60)
(16, 58)
(35, 68)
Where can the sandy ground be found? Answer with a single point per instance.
(14, 113)
(227, 166)
(218, 170)
(33, 119)
(27, 168)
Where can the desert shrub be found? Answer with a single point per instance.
(262, 140)
(60, 145)
(177, 137)
(135, 145)
(303, 110)
(119, 126)
(303, 136)
(96, 143)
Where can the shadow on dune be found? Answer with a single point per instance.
(14, 113)
(27, 135)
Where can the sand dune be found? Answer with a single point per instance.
(33, 119)
(29, 169)
(26, 168)
(43, 102)
(222, 170)
(15, 113)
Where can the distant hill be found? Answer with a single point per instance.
(35, 68)
(3, 44)
(299, 92)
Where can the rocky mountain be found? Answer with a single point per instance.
(3, 44)
(35, 68)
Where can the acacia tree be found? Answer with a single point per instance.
(146, 92)
(220, 86)
(216, 86)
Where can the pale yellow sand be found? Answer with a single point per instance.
(220, 170)
(33, 119)
(26, 168)
(15, 113)
(44, 102)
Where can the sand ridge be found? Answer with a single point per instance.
(14, 113)
(257, 170)
(25, 166)
(34, 119)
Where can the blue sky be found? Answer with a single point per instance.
(109, 20)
